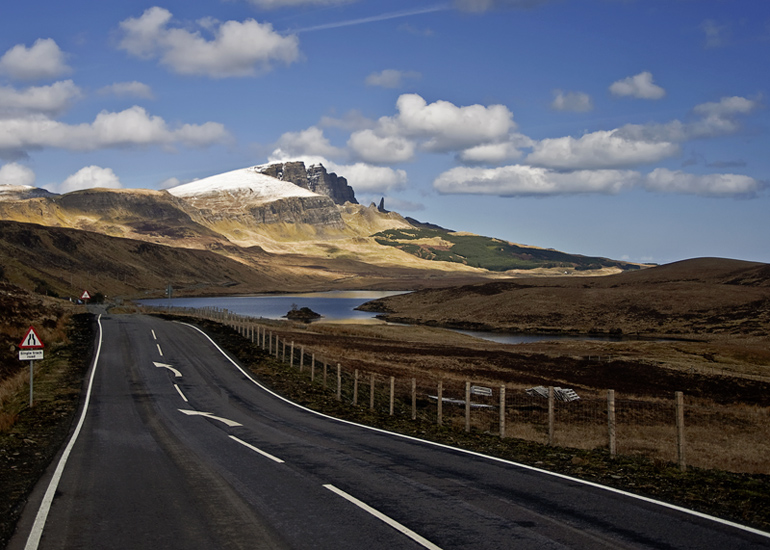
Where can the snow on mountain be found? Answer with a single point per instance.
(245, 181)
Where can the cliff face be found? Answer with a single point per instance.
(314, 178)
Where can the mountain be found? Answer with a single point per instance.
(300, 227)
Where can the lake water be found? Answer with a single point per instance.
(336, 307)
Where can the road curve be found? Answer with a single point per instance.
(180, 448)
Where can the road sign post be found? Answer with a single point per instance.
(31, 349)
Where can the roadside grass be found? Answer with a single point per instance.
(30, 437)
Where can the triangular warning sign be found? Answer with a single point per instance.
(85, 295)
(31, 340)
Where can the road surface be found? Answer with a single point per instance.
(180, 448)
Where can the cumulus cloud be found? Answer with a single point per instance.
(521, 180)
(16, 174)
(599, 150)
(390, 78)
(713, 185)
(90, 177)
(129, 128)
(237, 49)
(128, 89)
(42, 60)
(577, 102)
(309, 142)
(639, 86)
(437, 127)
(48, 100)
(494, 153)
(710, 119)
(376, 149)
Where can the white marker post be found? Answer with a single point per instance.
(31, 349)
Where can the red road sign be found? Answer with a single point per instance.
(85, 295)
(31, 340)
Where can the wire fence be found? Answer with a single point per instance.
(674, 428)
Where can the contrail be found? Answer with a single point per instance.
(372, 19)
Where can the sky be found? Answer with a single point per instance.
(636, 130)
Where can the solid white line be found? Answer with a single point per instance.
(45, 506)
(260, 451)
(180, 393)
(492, 458)
(159, 350)
(379, 515)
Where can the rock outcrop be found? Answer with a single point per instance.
(314, 178)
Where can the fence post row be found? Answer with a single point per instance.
(262, 337)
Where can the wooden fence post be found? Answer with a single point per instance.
(611, 421)
(302, 359)
(414, 398)
(355, 387)
(680, 441)
(440, 403)
(551, 414)
(291, 354)
(371, 391)
(502, 411)
(270, 344)
(467, 406)
(339, 382)
(392, 393)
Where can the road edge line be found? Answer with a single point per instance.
(649, 500)
(36, 532)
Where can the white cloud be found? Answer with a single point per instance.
(447, 127)
(578, 102)
(49, 100)
(309, 142)
(169, 183)
(714, 185)
(238, 48)
(390, 78)
(42, 60)
(520, 180)
(352, 120)
(90, 177)
(16, 174)
(712, 119)
(598, 150)
(128, 89)
(370, 147)
(490, 153)
(129, 128)
(639, 86)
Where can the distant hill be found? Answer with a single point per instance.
(698, 296)
(487, 253)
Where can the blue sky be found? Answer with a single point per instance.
(631, 129)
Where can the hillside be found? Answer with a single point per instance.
(297, 226)
(705, 296)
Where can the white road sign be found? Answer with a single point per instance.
(30, 354)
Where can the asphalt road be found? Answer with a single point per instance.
(179, 448)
